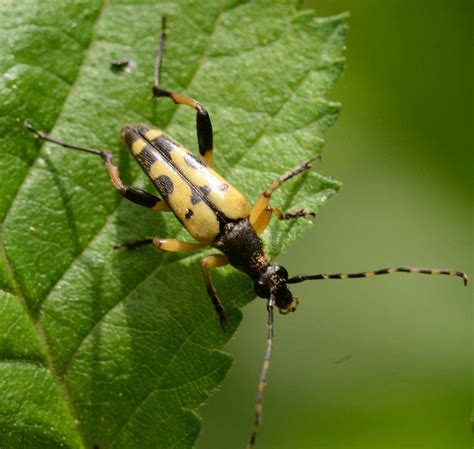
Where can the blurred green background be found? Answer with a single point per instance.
(385, 362)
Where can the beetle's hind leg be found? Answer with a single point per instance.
(203, 121)
(262, 212)
(133, 194)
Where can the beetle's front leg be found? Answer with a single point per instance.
(264, 218)
(173, 245)
(214, 261)
(262, 212)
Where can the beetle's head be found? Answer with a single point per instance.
(273, 281)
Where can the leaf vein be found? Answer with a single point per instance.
(140, 405)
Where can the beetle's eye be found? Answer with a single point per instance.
(281, 271)
(261, 290)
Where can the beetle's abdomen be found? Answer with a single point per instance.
(201, 199)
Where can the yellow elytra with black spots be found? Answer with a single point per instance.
(215, 213)
(202, 200)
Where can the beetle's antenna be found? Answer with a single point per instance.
(366, 274)
(263, 374)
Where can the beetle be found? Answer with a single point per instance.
(214, 213)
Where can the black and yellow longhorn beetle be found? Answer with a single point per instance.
(215, 213)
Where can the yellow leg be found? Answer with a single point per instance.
(214, 261)
(176, 246)
(263, 200)
(264, 219)
(161, 206)
(203, 121)
(134, 194)
(172, 245)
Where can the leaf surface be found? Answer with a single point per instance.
(116, 349)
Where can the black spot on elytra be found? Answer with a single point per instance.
(197, 196)
(189, 214)
(192, 161)
(205, 190)
(165, 186)
(146, 158)
(165, 144)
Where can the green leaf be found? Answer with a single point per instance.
(117, 349)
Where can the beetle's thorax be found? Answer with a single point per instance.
(243, 247)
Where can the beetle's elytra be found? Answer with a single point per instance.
(214, 212)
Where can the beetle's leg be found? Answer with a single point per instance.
(133, 194)
(294, 214)
(203, 121)
(262, 222)
(172, 245)
(260, 216)
(214, 261)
